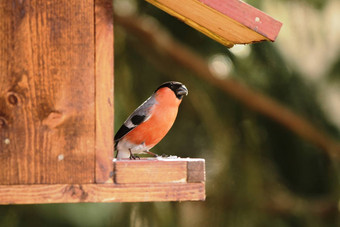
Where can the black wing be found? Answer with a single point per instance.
(137, 119)
(123, 130)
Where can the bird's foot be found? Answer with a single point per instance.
(134, 157)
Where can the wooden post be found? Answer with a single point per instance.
(56, 70)
(104, 90)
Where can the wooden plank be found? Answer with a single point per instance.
(47, 106)
(66, 193)
(104, 90)
(196, 171)
(150, 171)
(248, 16)
(228, 22)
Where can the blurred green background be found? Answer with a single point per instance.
(259, 172)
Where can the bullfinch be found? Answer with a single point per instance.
(150, 122)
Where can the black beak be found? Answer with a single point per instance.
(182, 90)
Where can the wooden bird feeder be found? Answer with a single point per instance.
(56, 102)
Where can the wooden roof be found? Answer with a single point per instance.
(227, 21)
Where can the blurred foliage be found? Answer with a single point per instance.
(318, 4)
(334, 73)
(258, 172)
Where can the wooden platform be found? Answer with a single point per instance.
(144, 180)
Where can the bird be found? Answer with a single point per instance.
(150, 122)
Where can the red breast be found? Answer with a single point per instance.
(163, 116)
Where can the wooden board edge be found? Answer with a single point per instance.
(196, 171)
(163, 170)
(248, 16)
(104, 57)
(253, 30)
(100, 193)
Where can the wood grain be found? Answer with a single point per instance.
(135, 181)
(47, 103)
(196, 171)
(66, 193)
(104, 90)
(248, 16)
(150, 171)
(228, 22)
